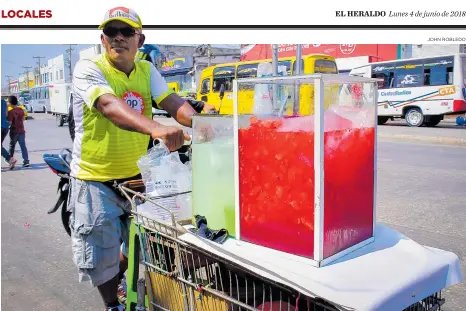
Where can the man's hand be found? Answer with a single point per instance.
(208, 108)
(179, 109)
(173, 137)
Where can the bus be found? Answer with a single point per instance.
(420, 90)
(181, 81)
(212, 78)
(40, 99)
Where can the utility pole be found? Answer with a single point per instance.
(27, 75)
(38, 61)
(9, 80)
(209, 54)
(69, 63)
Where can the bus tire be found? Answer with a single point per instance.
(382, 120)
(60, 120)
(414, 117)
(435, 120)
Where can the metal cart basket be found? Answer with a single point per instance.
(180, 276)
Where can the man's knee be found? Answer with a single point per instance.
(96, 231)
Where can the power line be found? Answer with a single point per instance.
(38, 60)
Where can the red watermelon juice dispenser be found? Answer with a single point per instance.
(305, 170)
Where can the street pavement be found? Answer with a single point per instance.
(447, 132)
(420, 193)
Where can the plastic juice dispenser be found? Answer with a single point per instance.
(306, 182)
(213, 189)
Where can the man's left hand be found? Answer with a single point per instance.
(208, 108)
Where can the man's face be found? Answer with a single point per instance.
(121, 41)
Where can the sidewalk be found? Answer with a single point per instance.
(446, 132)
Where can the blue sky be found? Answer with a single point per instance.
(14, 56)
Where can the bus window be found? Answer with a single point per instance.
(409, 74)
(46, 92)
(223, 75)
(205, 87)
(386, 72)
(325, 66)
(463, 60)
(247, 71)
(438, 71)
(385, 84)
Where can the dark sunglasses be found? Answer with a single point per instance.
(125, 31)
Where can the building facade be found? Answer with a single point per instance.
(26, 81)
(349, 56)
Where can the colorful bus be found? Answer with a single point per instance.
(420, 90)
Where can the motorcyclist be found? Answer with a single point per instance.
(112, 96)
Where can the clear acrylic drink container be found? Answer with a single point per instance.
(305, 167)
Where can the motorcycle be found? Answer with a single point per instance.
(60, 164)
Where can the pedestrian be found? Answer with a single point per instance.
(17, 131)
(5, 129)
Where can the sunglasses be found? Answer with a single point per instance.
(125, 31)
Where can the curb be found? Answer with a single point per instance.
(439, 140)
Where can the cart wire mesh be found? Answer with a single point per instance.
(181, 276)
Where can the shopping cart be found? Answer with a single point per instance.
(181, 276)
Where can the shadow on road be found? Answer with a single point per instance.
(19, 167)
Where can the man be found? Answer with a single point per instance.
(5, 129)
(112, 95)
(17, 131)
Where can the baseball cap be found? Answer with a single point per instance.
(124, 15)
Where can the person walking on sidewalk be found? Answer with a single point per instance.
(5, 129)
(17, 132)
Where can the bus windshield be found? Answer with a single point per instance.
(325, 66)
(185, 81)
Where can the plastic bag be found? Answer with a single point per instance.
(168, 181)
(263, 92)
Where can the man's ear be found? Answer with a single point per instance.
(142, 38)
(102, 38)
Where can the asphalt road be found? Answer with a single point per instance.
(420, 193)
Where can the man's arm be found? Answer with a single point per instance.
(90, 84)
(177, 107)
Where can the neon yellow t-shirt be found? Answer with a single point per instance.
(101, 150)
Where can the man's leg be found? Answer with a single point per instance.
(5, 153)
(24, 149)
(13, 140)
(96, 231)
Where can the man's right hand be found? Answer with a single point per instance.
(173, 137)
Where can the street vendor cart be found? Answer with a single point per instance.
(283, 212)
